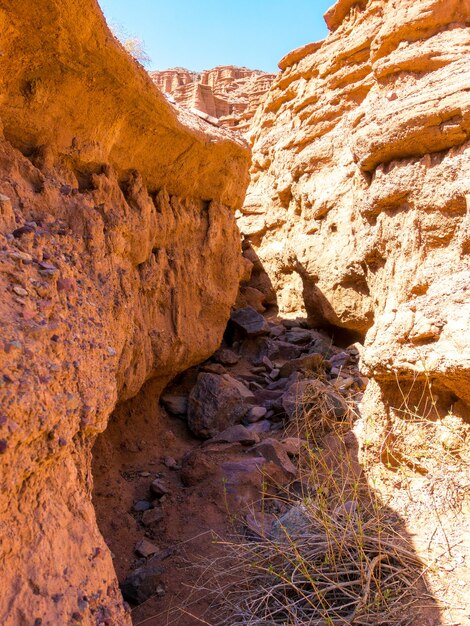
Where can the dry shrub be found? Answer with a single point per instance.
(336, 557)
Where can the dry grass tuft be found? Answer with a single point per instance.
(337, 556)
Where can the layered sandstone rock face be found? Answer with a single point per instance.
(115, 215)
(226, 93)
(359, 202)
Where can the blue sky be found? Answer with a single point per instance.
(200, 34)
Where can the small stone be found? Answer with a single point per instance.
(243, 390)
(20, 291)
(284, 350)
(344, 383)
(293, 445)
(142, 584)
(260, 427)
(277, 331)
(274, 451)
(215, 403)
(111, 351)
(141, 505)
(306, 362)
(21, 256)
(298, 335)
(289, 324)
(159, 488)
(144, 474)
(250, 322)
(356, 349)
(146, 548)
(176, 405)
(236, 434)
(23, 230)
(347, 509)
(65, 284)
(152, 516)
(213, 368)
(170, 462)
(361, 382)
(294, 524)
(255, 414)
(226, 357)
(3, 446)
(65, 190)
(339, 359)
(260, 523)
(269, 364)
(11, 346)
(274, 374)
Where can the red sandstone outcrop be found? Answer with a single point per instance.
(358, 206)
(226, 93)
(119, 261)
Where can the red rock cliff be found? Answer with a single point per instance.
(115, 214)
(359, 199)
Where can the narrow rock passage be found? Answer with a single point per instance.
(170, 476)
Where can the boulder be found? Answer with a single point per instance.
(213, 368)
(249, 322)
(273, 450)
(215, 403)
(142, 583)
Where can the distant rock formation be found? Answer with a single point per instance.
(227, 94)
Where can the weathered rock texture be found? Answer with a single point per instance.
(114, 219)
(359, 205)
(228, 94)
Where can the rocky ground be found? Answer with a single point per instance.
(225, 459)
(222, 440)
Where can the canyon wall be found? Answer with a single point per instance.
(359, 203)
(229, 94)
(119, 262)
